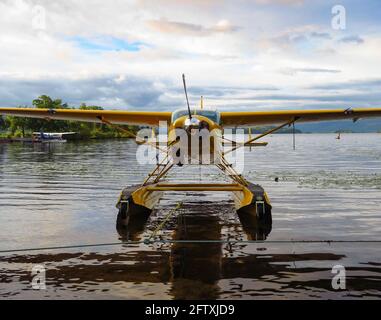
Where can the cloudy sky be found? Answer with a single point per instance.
(254, 55)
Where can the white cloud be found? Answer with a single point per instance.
(284, 2)
(216, 43)
(185, 29)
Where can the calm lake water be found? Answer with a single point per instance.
(65, 194)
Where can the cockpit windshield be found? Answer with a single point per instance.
(210, 114)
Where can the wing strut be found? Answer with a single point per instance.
(262, 135)
(105, 121)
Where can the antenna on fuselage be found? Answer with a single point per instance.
(186, 96)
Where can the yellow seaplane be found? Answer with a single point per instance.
(190, 125)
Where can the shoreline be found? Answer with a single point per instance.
(30, 140)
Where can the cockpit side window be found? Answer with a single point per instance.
(210, 114)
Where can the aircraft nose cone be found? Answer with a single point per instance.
(193, 122)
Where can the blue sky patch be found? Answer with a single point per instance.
(106, 43)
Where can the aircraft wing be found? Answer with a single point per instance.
(114, 116)
(249, 118)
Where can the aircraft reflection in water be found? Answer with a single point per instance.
(188, 270)
(195, 268)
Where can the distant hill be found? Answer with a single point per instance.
(368, 125)
(361, 126)
(263, 129)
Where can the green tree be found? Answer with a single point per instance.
(46, 102)
(16, 123)
(83, 106)
(23, 126)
